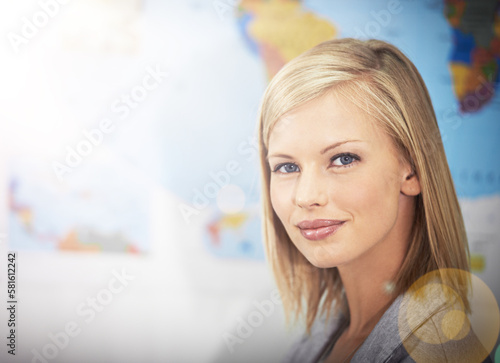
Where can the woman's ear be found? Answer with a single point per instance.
(410, 185)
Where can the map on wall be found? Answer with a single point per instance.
(83, 214)
(195, 135)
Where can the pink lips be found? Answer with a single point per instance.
(319, 228)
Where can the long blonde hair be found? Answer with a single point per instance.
(381, 80)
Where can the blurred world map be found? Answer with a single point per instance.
(195, 135)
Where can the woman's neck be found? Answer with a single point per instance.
(369, 280)
(369, 283)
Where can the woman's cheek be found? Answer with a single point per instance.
(278, 194)
(380, 203)
(367, 198)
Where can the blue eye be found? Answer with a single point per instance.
(344, 159)
(286, 168)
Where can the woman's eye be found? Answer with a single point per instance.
(344, 160)
(286, 168)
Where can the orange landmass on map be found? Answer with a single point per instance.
(283, 29)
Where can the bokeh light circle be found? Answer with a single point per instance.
(435, 324)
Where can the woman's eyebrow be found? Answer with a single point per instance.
(278, 156)
(332, 146)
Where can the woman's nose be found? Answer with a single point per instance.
(310, 190)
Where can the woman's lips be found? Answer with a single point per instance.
(319, 228)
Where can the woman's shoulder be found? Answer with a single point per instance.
(426, 328)
(437, 329)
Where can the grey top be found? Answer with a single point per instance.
(393, 340)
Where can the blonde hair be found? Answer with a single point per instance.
(382, 81)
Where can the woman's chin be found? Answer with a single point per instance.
(323, 261)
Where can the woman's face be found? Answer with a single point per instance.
(336, 183)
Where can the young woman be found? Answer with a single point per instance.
(361, 220)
